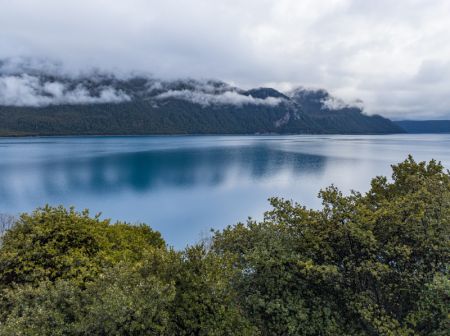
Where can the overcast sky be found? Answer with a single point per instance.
(394, 55)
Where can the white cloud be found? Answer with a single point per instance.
(26, 90)
(225, 98)
(391, 54)
(333, 103)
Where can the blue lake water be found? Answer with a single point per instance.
(184, 186)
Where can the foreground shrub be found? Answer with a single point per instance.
(373, 264)
(65, 273)
(56, 243)
(364, 264)
(120, 302)
(205, 303)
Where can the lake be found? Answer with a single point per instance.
(185, 185)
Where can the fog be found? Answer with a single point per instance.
(392, 55)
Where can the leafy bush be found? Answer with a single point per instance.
(364, 264)
(56, 243)
(63, 272)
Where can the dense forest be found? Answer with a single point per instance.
(425, 126)
(364, 264)
(105, 105)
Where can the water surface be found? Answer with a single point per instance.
(183, 186)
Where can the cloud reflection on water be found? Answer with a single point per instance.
(183, 186)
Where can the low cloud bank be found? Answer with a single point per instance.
(225, 98)
(333, 103)
(26, 90)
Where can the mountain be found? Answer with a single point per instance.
(335, 116)
(425, 126)
(100, 104)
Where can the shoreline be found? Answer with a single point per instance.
(15, 136)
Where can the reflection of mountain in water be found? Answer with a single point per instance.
(142, 171)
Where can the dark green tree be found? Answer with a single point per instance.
(359, 266)
(205, 303)
(57, 243)
(364, 264)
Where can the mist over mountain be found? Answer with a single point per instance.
(52, 103)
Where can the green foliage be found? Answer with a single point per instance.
(65, 273)
(359, 266)
(204, 303)
(364, 264)
(40, 309)
(54, 243)
(122, 301)
(432, 316)
(127, 302)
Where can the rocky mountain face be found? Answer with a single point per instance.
(41, 104)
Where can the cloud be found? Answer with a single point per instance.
(225, 98)
(26, 90)
(333, 103)
(391, 54)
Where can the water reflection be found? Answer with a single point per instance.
(151, 170)
(183, 186)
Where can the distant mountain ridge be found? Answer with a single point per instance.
(424, 126)
(101, 104)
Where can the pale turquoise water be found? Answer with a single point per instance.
(183, 186)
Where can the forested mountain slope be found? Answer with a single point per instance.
(37, 104)
(425, 126)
